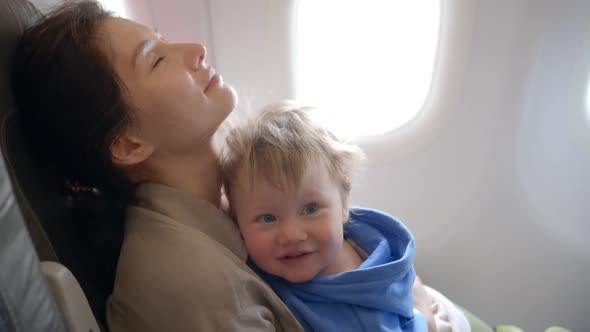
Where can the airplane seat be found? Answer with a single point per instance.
(26, 303)
(44, 204)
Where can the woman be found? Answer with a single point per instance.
(129, 118)
(113, 106)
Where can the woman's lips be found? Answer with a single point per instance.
(216, 80)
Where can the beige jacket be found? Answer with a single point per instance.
(182, 268)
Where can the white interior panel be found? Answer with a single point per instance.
(493, 176)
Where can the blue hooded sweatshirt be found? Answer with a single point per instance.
(375, 297)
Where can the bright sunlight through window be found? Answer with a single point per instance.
(116, 6)
(366, 63)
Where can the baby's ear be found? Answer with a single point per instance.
(345, 212)
(345, 207)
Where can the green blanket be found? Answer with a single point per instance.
(477, 325)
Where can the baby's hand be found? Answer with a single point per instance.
(423, 303)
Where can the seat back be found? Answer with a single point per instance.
(26, 303)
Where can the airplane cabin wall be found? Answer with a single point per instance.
(492, 176)
(248, 48)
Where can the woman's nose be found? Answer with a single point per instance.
(195, 55)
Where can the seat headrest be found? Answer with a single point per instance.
(15, 17)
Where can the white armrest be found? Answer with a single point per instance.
(70, 298)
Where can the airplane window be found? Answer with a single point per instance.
(117, 6)
(367, 63)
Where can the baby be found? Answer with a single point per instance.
(337, 269)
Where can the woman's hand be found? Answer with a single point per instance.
(423, 303)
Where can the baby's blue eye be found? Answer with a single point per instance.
(267, 218)
(310, 208)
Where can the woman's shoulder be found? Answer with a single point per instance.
(158, 244)
(180, 265)
(170, 271)
(180, 289)
(162, 209)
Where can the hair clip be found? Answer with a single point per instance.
(76, 187)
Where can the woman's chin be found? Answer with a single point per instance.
(227, 99)
(233, 98)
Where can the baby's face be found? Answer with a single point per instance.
(294, 234)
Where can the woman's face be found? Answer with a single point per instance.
(178, 100)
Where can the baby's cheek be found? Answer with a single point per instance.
(333, 243)
(258, 247)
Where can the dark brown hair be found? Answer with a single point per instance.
(71, 107)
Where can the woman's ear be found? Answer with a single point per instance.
(128, 150)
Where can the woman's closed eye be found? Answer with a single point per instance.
(266, 218)
(157, 62)
(310, 208)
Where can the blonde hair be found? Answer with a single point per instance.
(283, 144)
